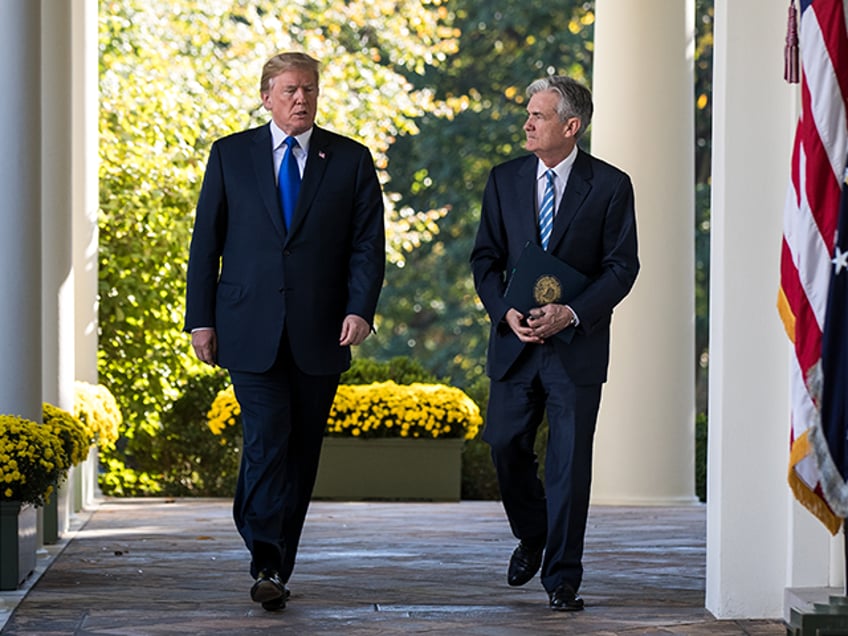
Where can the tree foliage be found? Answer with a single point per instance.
(703, 170)
(434, 87)
(176, 75)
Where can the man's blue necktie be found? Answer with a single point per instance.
(289, 180)
(546, 213)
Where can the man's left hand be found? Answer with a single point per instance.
(549, 320)
(355, 329)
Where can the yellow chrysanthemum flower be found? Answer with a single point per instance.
(381, 409)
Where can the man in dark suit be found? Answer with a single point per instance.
(531, 370)
(281, 282)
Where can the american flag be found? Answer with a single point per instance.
(811, 215)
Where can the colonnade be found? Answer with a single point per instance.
(758, 540)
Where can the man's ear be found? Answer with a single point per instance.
(571, 127)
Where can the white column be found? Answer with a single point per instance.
(643, 87)
(85, 166)
(20, 209)
(57, 330)
(747, 492)
(84, 173)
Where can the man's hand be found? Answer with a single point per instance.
(205, 344)
(355, 329)
(525, 333)
(549, 320)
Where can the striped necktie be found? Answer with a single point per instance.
(289, 180)
(546, 213)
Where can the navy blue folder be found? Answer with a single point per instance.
(540, 278)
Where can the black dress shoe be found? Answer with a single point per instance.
(523, 564)
(565, 599)
(269, 590)
(278, 603)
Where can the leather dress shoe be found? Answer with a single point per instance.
(523, 564)
(278, 603)
(565, 599)
(269, 590)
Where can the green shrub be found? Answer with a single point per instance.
(400, 369)
(181, 457)
(118, 480)
(193, 461)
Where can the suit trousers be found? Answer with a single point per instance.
(284, 414)
(553, 513)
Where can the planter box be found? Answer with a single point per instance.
(56, 514)
(390, 469)
(18, 540)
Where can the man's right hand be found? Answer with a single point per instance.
(515, 320)
(205, 344)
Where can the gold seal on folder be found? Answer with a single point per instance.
(547, 290)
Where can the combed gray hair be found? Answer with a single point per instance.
(575, 100)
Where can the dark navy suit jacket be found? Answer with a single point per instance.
(594, 232)
(251, 279)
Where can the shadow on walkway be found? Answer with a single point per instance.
(157, 566)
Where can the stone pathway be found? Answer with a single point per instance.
(157, 566)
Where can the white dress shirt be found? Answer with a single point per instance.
(562, 170)
(278, 138)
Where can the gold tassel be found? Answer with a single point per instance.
(790, 51)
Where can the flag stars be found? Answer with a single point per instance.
(840, 260)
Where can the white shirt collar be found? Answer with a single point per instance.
(562, 169)
(278, 136)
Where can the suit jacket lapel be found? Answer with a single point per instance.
(263, 164)
(576, 190)
(526, 204)
(316, 165)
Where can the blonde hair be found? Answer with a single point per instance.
(283, 62)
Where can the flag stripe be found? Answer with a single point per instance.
(809, 255)
(807, 349)
(833, 20)
(821, 191)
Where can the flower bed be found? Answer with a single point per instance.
(384, 440)
(387, 409)
(380, 409)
